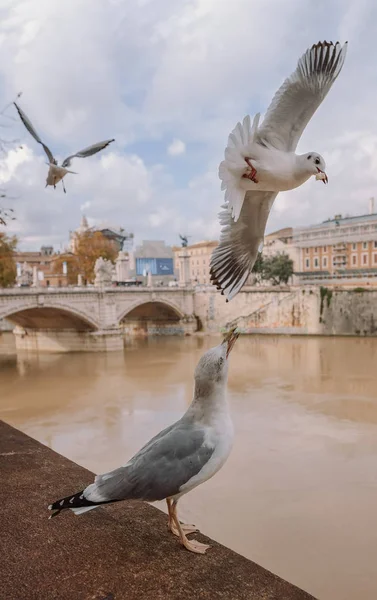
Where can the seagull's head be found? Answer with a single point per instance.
(212, 368)
(315, 165)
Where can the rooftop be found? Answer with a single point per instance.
(202, 244)
(153, 249)
(337, 221)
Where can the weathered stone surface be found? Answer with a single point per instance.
(123, 552)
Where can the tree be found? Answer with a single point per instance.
(278, 268)
(73, 268)
(8, 270)
(6, 214)
(89, 246)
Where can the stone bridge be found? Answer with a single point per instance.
(94, 319)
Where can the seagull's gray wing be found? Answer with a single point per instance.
(234, 257)
(87, 152)
(159, 469)
(301, 94)
(32, 131)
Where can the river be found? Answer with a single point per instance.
(298, 494)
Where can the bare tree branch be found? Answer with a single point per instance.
(6, 214)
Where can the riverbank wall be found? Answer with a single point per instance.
(290, 310)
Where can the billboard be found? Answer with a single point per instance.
(164, 266)
(156, 266)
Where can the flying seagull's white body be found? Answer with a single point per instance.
(260, 161)
(177, 459)
(57, 172)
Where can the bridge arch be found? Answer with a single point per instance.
(49, 316)
(152, 307)
(152, 317)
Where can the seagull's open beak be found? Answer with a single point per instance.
(325, 179)
(230, 339)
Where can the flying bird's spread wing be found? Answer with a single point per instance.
(32, 132)
(87, 152)
(234, 257)
(301, 94)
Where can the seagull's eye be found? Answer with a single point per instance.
(317, 161)
(309, 156)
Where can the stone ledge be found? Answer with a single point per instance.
(123, 552)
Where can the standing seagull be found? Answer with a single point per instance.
(177, 459)
(56, 173)
(260, 161)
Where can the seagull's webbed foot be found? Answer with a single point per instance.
(181, 529)
(195, 546)
(252, 173)
(184, 526)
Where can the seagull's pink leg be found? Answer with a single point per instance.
(171, 524)
(252, 175)
(192, 545)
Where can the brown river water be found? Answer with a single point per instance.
(298, 494)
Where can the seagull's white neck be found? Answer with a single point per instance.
(209, 400)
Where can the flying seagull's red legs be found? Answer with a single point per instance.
(252, 174)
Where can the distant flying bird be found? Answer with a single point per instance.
(260, 161)
(177, 459)
(56, 172)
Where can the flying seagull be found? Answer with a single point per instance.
(177, 459)
(260, 161)
(56, 172)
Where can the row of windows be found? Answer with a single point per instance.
(354, 247)
(336, 261)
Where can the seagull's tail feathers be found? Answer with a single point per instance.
(77, 503)
(231, 169)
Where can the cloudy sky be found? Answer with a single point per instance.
(169, 79)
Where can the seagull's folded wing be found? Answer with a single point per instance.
(234, 257)
(89, 151)
(159, 469)
(26, 121)
(301, 94)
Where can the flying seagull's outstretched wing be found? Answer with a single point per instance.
(87, 152)
(234, 257)
(32, 131)
(301, 94)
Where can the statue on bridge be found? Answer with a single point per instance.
(184, 240)
(103, 270)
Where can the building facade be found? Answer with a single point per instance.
(153, 258)
(342, 249)
(199, 259)
(281, 242)
(41, 268)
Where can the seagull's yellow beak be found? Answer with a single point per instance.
(322, 175)
(230, 339)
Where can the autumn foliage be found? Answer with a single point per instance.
(89, 246)
(8, 270)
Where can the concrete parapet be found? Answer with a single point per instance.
(123, 552)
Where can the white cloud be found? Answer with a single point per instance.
(148, 73)
(176, 148)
